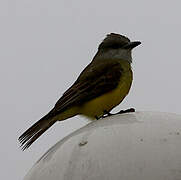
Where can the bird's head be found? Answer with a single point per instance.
(117, 46)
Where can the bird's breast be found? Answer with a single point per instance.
(108, 101)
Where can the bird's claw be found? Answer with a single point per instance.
(126, 111)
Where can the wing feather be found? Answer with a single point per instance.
(90, 86)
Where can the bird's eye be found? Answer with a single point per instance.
(110, 46)
(115, 46)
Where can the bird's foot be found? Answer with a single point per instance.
(107, 113)
(126, 111)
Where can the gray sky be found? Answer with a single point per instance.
(45, 44)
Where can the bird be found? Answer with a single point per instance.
(101, 86)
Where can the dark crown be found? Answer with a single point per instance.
(113, 41)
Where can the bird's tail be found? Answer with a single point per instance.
(35, 131)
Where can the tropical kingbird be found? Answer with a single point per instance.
(100, 87)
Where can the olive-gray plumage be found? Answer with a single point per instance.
(101, 86)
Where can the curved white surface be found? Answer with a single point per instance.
(132, 146)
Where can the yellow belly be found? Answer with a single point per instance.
(108, 101)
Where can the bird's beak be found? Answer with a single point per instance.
(132, 45)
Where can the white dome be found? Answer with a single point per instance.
(132, 146)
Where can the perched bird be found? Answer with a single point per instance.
(101, 86)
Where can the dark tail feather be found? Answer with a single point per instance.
(35, 131)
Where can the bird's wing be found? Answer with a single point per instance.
(89, 85)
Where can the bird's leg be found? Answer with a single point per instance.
(126, 111)
(106, 114)
(97, 117)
